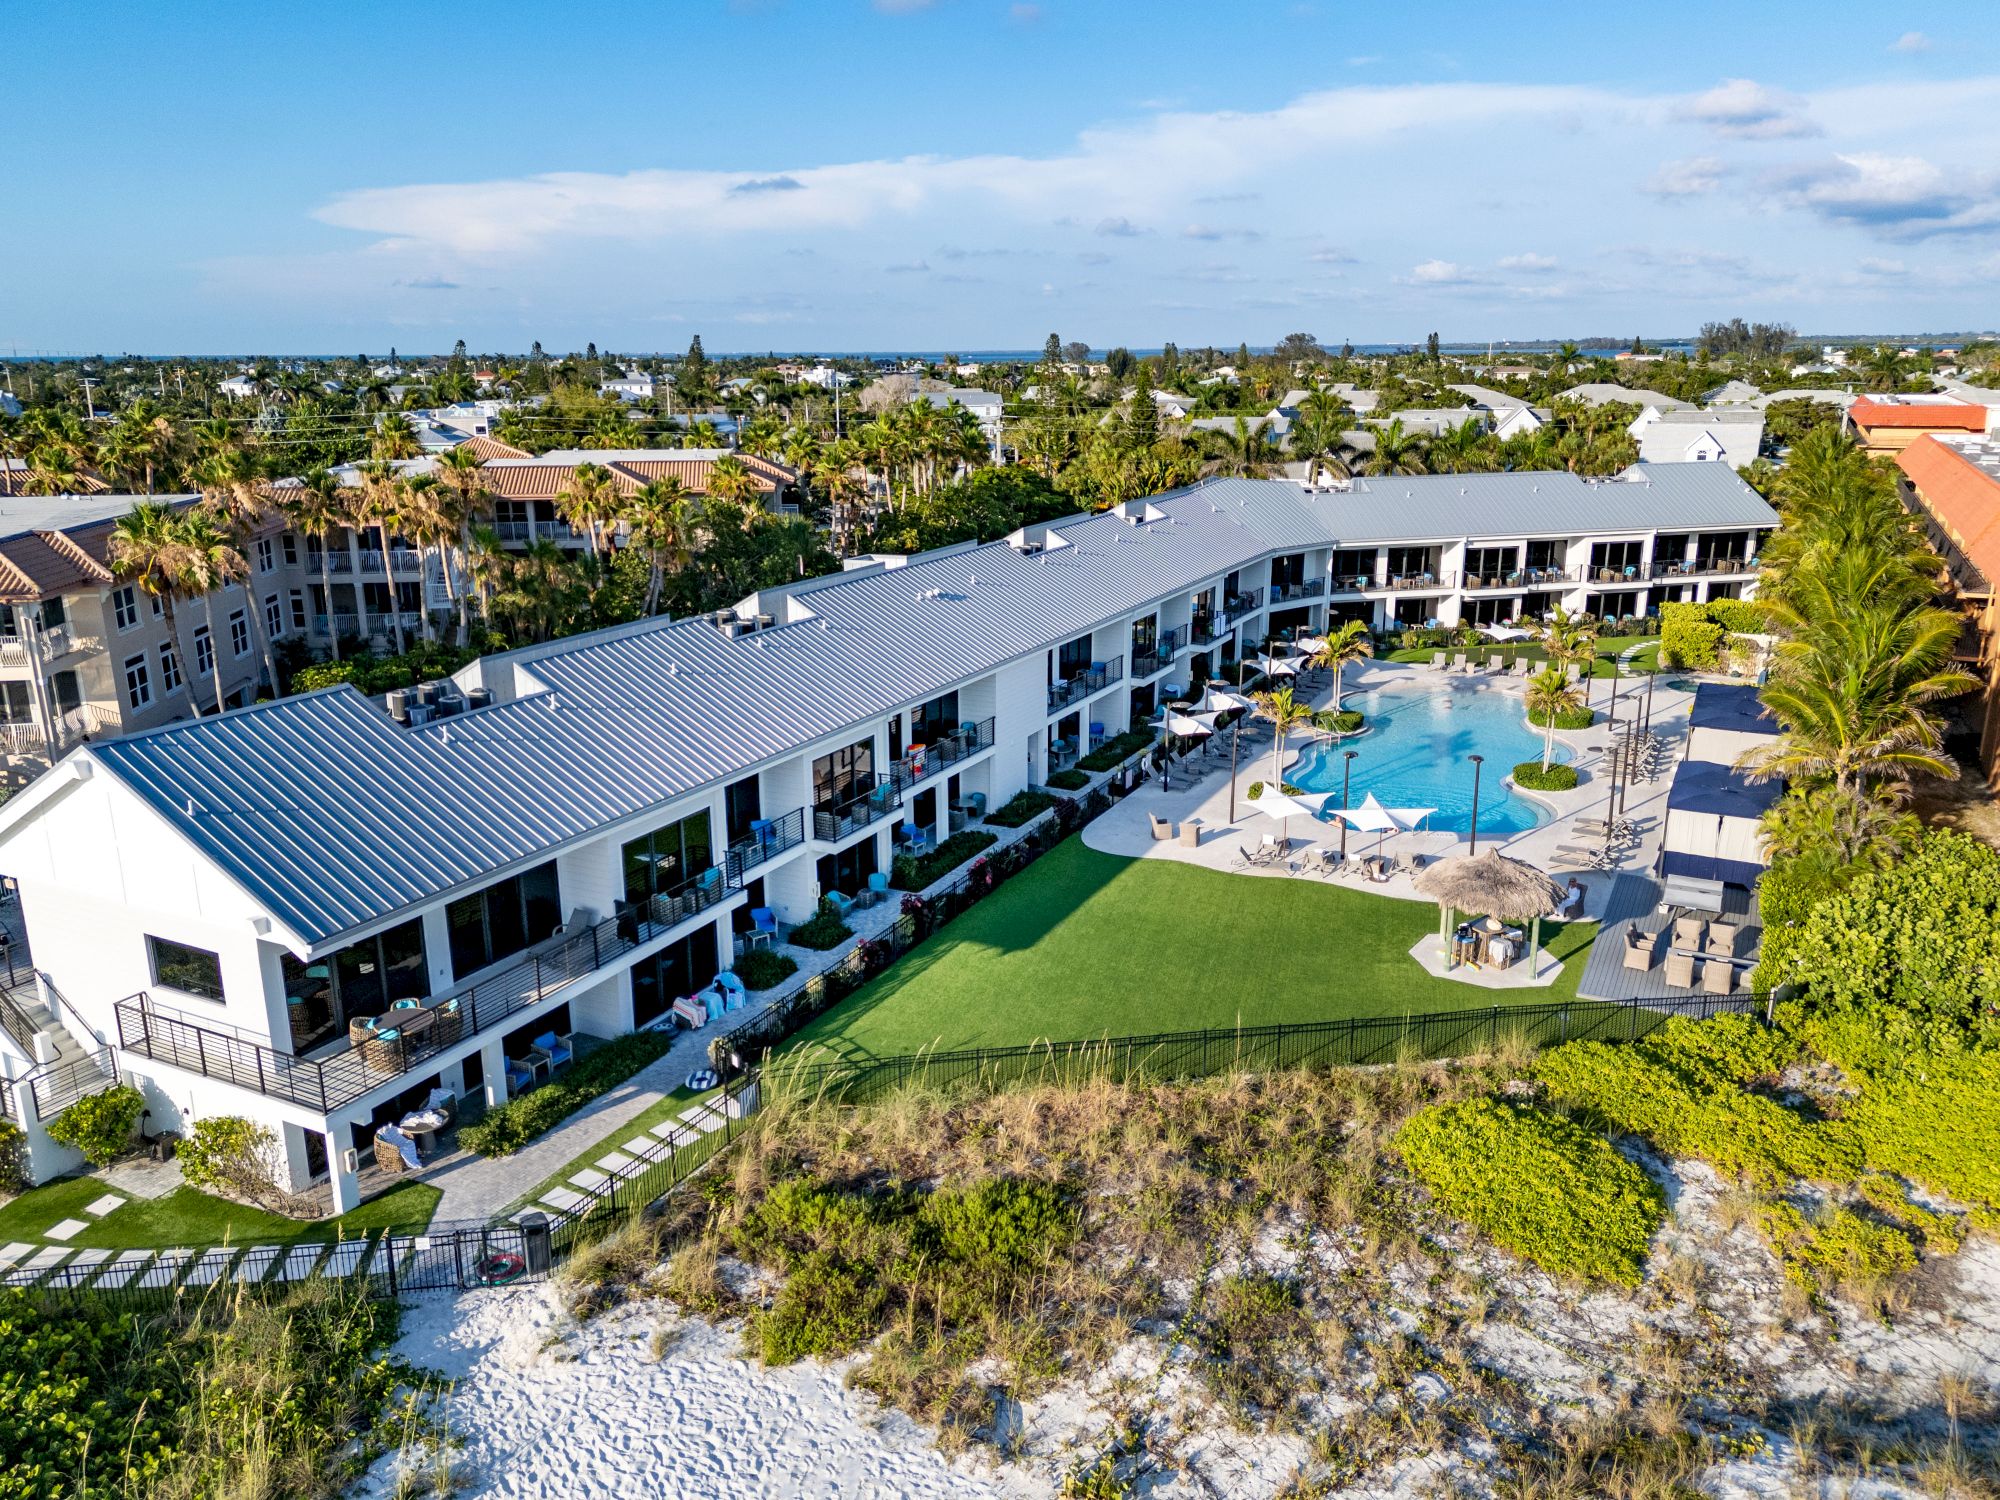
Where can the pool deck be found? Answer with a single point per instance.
(1634, 903)
(1126, 830)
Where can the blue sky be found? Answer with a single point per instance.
(965, 174)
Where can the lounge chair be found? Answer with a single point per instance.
(1718, 976)
(840, 901)
(1680, 971)
(1162, 828)
(395, 1151)
(1723, 938)
(1458, 662)
(1437, 661)
(733, 992)
(1688, 932)
(1523, 667)
(1639, 948)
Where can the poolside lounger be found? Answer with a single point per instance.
(1458, 662)
(1437, 661)
(1162, 828)
(1523, 667)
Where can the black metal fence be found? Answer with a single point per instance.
(1167, 1056)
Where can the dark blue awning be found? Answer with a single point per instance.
(1702, 786)
(1721, 706)
(1708, 867)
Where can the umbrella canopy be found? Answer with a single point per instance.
(1277, 666)
(1504, 633)
(1492, 884)
(1218, 701)
(1372, 817)
(1188, 727)
(1311, 645)
(1280, 804)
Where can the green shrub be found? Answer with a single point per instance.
(14, 1173)
(826, 1307)
(760, 968)
(1115, 751)
(1559, 777)
(1936, 1127)
(1001, 1221)
(1689, 636)
(1069, 781)
(1841, 1249)
(1568, 718)
(1909, 956)
(231, 1155)
(518, 1121)
(913, 872)
(376, 675)
(100, 1125)
(1542, 1186)
(1349, 721)
(822, 930)
(1020, 808)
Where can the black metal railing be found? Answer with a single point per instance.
(1146, 663)
(947, 750)
(869, 799)
(1243, 601)
(55, 1086)
(1287, 593)
(17, 1023)
(769, 837)
(1173, 642)
(1205, 630)
(1093, 678)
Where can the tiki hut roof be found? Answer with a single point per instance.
(1492, 884)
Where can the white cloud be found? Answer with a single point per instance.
(1527, 262)
(1214, 232)
(1119, 228)
(1911, 41)
(1440, 273)
(1747, 110)
(1876, 265)
(1901, 197)
(1687, 179)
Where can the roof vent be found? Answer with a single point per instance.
(972, 580)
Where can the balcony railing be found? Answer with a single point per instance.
(403, 559)
(520, 533)
(1207, 631)
(769, 837)
(325, 1083)
(927, 760)
(869, 801)
(1146, 663)
(1245, 601)
(49, 644)
(1092, 679)
(1291, 593)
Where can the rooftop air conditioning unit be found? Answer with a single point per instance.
(420, 714)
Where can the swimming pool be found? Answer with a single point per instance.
(1414, 755)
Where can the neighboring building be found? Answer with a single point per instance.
(1431, 421)
(1953, 482)
(1276, 422)
(1601, 393)
(238, 388)
(1731, 393)
(985, 407)
(84, 655)
(1685, 436)
(1841, 399)
(223, 902)
(632, 388)
(1519, 421)
(16, 475)
(9, 407)
(1889, 424)
(1486, 396)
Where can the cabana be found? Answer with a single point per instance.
(1727, 722)
(1713, 828)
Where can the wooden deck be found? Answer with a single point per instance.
(1634, 902)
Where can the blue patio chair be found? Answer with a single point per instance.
(975, 803)
(520, 1075)
(843, 904)
(1096, 731)
(764, 923)
(557, 1048)
(915, 839)
(732, 989)
(878, 885)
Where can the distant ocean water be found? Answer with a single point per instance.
(1032, 356)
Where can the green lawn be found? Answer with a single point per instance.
(188, 1217)
(1605, 665)
(663, 1108)
(1086, 944)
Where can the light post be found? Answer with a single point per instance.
(1646, 717)
(1611, 802)
(1611, 722)
(1478, 762)
(1235, 729)
(1346, 775)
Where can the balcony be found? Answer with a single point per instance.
(47, 645)
(920, 761)
(352, 1069)
(1418, 582)
(1093, 678)
(868, 800)
(1146, 663)
(1293, 593)
(403, 559)
(1242, 603)
(769, 837)
(525, 533)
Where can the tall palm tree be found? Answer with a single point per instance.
(1343, 647)
(1568, 639)
(461, 471)
(148, 549)
(1397, 451)
(212, 564)
(590, 502)
(661, 516)
(240, 508)
(1244, 451)
(729, 478)
(379, 504)
(315, 509)
(1286, 713)
(394, 438)
(1464, 449)
(1549, 695)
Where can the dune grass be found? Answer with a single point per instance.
(1087, 944)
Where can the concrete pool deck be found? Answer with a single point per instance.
(1127, 830)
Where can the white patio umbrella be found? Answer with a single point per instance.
(1372, 817)
(1217, 700)
(1188, 726)
(1274, 802)
(1504, 633)
(1310, 645)
(1276, 666)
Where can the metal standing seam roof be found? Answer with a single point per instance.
(334, 817)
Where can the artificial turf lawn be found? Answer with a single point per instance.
(188, 1217)
(1605, 664)
(662, 1109)
(1084, 945)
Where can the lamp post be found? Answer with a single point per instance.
(1611, 802)
(1478, 762)
(1646, 716)
(1346, 774)
(1611, 722)
(1235, 729)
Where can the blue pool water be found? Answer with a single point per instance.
(1414, 755)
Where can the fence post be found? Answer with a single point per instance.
(389, 1243)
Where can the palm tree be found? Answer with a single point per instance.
(1883, 368)
(661, 517)
(314, 508)
(240, 508)
(1397, 451)
(1549, 695)
(148, 549)
(590, 502)
(379, 504)
(1343, 647)
(212, 565)
(1285, 713)
(1836, 833)
(147, 434)
(1464, 449)
(729, 478)
(460, 471)
(1244, 451)
(1568, 639)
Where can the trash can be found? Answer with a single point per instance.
(535, 1242)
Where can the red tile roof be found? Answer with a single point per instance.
(1963, 498)
(1939, 416)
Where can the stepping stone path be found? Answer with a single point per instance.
(69, 1229)
(123, 1269)
(11, 1253)
(629, 1161)
(103, 1206)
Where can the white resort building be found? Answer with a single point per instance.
(571, 836)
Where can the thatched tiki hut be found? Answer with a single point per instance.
(1489, 884)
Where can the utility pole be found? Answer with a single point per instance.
(89, 407)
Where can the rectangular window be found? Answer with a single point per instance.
(67, 690)
(843, 774)
(362, 979)
(266, 555)
(54, 613)
(239, 632)
(14, 703)
(170, 671)
(666, 857)
(298, 609)
(192, 971)
(274, 617)
(291, 550)
(934, 720)
(138, 683)
(204, 652)
(502, 919)
(125, 607)
(159, 605)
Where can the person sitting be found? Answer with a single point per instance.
(1572, 906)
